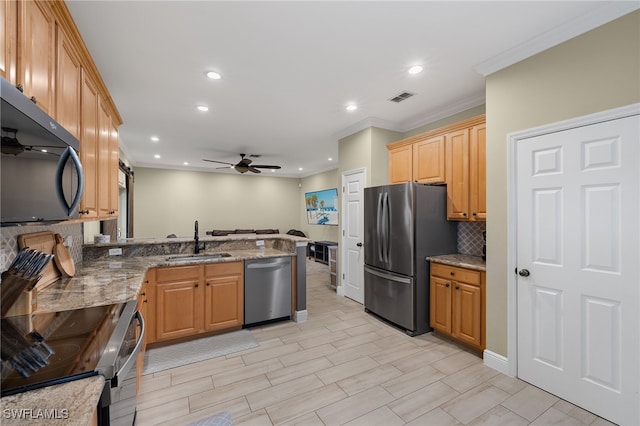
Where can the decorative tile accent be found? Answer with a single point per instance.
(470, 237)
(9, 240)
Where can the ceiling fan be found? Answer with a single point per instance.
(244, 165)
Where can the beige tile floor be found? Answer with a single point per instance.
(343, 366)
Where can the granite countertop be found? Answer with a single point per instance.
(119, 279)
(460, 260)
(71, 403)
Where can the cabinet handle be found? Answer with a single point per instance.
(475, 214)
(33, 99)
(196, 286)
(143, 294)
(457, 287)
(453, 274)
(447, 284)
(20, 87)
(207, 284)
(464, 214)
(146, 281)
(86, 211)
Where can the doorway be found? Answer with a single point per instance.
(353, 183)
(575, 253)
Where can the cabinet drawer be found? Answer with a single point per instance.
(225, 268)
(459, 274)
(175, 273)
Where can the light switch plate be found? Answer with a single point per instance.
(115, 251)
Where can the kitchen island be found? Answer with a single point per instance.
(103, 279)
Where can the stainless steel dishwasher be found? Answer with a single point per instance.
(267, 289)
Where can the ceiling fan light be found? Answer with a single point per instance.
(416, 69)
(213, 75)
(202, 108)
(351, 107)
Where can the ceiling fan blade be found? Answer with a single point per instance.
(219, 162)
(254, 170)
(263, 166)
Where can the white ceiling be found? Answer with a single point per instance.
(290, 68)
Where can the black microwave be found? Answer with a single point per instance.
(42, 177)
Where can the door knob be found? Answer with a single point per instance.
(359, 244)
(524, 273)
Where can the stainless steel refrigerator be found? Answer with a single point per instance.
(404, 223)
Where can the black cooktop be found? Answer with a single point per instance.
(49, 348)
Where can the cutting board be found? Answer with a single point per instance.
(62, 258)
(44, 241)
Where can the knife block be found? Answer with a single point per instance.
(26, 303)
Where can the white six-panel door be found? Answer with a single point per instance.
(578, 212)
(353, 234)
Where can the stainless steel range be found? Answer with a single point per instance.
(44, 349)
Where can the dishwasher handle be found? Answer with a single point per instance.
(264, 265)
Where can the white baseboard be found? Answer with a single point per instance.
(496, 361)
(300, 316)
(340, 290)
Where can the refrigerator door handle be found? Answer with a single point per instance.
(387, 227)
(380, 237)
(389, 277)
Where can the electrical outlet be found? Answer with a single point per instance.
(68, 241)
(260, 243)
(115, 252)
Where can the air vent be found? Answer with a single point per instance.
(401, 97)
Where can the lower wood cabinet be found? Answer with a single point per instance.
(457, 303)
(194, 299)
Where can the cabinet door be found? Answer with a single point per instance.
(440, 304)
(114, 170)
(457, 168)
(178, 309)
(68, 77)
(428, 161)
(478, 173)
(104, 160)
(36, 60)
(467, 313)
(89, 147)
(223, 302)
(9, 40)
(401, 164)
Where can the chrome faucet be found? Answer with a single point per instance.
(198, 246)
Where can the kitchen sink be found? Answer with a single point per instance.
(197, 257)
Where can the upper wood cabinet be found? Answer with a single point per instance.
(89, 147)
(466, 174)
(36, 58)
(417, 159)
(478, 172)
(43, 51)
(68, 83)
(9, 40)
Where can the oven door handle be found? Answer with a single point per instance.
(134, 354)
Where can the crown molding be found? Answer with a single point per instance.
(365, 124)
(551, 38)
(451, 109)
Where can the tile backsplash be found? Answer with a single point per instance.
(470, 237)
(9, 240)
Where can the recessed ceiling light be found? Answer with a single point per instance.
(156, 156)
(300, 168)
(416, 69)
(330, 159)
(155, 138)
(351, 107)
(186, 163)
(202, 108)
(213, 75)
